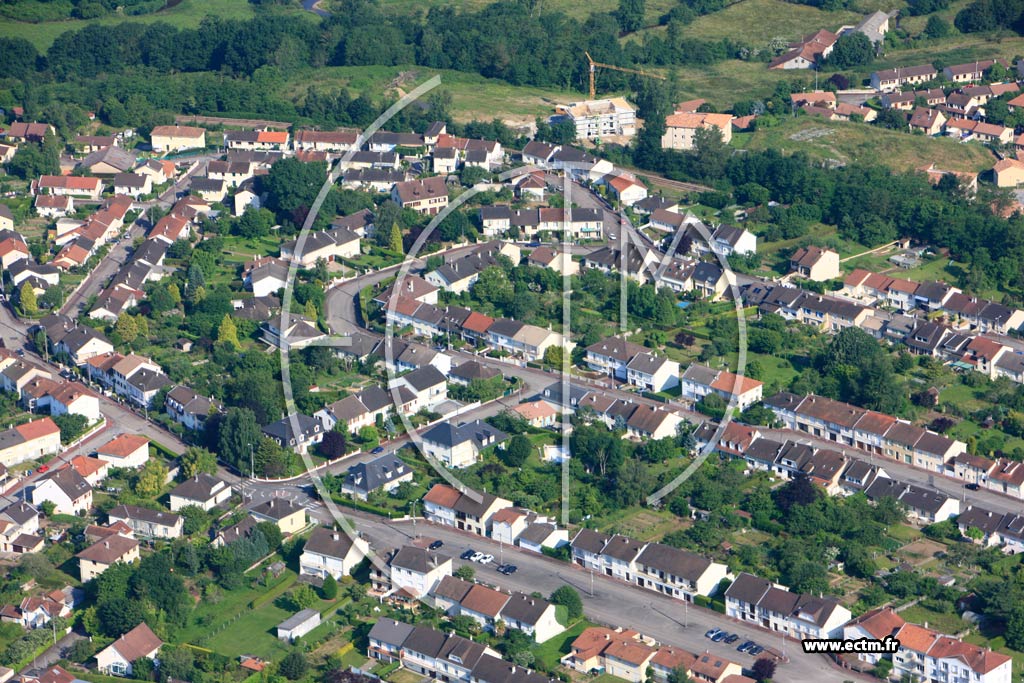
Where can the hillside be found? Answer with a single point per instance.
(848, 142)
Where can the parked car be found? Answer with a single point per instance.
(486, 559)
(745, 645)
(467, 555)
(719, 637)
(712, 633)
(476, 557)
(436, 544)
(378, 449)
(755, 650)
(43, 468)
(732, 638)
(971, 487)
(508, 569)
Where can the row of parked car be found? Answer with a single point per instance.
(486, 558)
(719, 636)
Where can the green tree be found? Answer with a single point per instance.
(294, 665)
(27, 300)
(196, 520)
(150, 480)
(291, 186)
(852, 49)
(237, 437)
(570, 599)
(395, 239)
(126, 328)
(937, 27)
(196, 460)
(303, 596)
(763, 669)
(227, 333)
(630, 15)
(679, 675)
(329, 589)
(48, 507)
(516, 451)
(465, 572)
(71, 426)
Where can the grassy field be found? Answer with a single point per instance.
(473, 96)
(847, 141)
(745, 22)
(186, 15)
(946, 623)
(551, 650)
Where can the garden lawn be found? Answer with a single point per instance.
(253, 634)
(550, 651)
(945, 623)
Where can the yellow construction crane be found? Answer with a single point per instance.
(594, 65)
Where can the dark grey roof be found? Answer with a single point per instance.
(146, 380)
(553, 394)
(282, 430)
(70, 482)
(681, 563)
(329, 543)
(276, 508)
(622, 548)
(369, 476)
(524, 608)
(199, 488)
(417, 560)
(480, 433)
(144, 514)
(985, 520)
(472, 370)
(424, 640)
(748, 588)
(537, 532)
(452, 588)
(114, 156)
(424, 378)
(375, 398)
(590, 541)
(505, 327)
(298, 619)
(391, 632)
(204, 184)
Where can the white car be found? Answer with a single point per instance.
(486, 559)
(476, 557)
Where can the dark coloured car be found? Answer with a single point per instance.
(755, 650)
(732, 638)
(508, 569)
(436, 544)
(971, 487)
(378, 449)
(468, 554)
(719, 637)
(745, 645)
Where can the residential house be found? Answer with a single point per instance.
(105, 553)
(139, 643)
(652, 373)
(470, 511)
(330, 245)
(203, 490)
(416, 571)
(677, 573)
(125, 451)
(681, 128)
(699, 381)
(815, 264)
(69, 492)
(296, 432)
(888, 80)
(807, 52)
(328, 551)
(86, 187)
(972, 71)
(612, 355)
(284, 513)
(190, 409)
(920, 503)
(429, 196)
(428, 385)
(30, 441)
(540, 535)
(774, 607)
(1008, 172)
(537, 413)
(166, 139)
(934, 656)
(459, 446)
(148, 523)
(93, 470)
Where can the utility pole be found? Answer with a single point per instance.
(686, 613)
(591, 582)
(252, 463)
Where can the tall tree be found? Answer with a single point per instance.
(27, 300)
(227, 333)
(630, 15)
(238, 436)
(196, 460)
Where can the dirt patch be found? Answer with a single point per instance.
(921, 551)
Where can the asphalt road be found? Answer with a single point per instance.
(607, 601)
